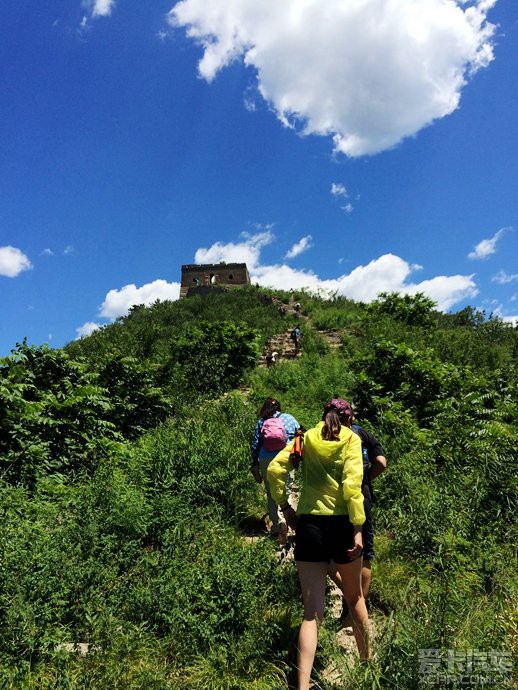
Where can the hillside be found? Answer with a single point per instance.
(126, 495)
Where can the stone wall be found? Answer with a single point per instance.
(212, 275)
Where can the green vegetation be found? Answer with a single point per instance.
(125, 493)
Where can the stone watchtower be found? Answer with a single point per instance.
(202, 278)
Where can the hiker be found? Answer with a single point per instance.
(296, 336)
(328, 525)
(271, 358)
(273, 431)
(374, 463)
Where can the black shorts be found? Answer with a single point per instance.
(368, 531)
(323, 538)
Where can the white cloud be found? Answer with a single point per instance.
(367, 73)
(504, 278)
(47, 252)
(248, 251)
(498, 311)
(69, 249)
(87, 329)
(13, 262)
(102, 8)
(117, 302)
(338, 189)
(445, 290)
(388, 273)
(302, 245)
(96, 8)
(485, 248)
(348, 208)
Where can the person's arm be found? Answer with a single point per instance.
(256, 444)
(352, 478)
(376, 456)
(379, 465)
(278, 470)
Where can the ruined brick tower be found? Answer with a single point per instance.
(201, 278)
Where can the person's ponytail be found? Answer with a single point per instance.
(332, 426)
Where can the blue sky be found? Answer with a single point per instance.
(345, 148)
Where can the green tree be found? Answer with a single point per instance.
(413, 310)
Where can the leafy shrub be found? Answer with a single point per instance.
(137, 401)
(214, 356)
(53, 417)
(413, 310)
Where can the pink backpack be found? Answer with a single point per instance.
(274, 434)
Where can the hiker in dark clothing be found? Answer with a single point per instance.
(374, 463)
(296, 336)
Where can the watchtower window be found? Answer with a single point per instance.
(230, 276)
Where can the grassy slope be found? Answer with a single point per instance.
(146, 559)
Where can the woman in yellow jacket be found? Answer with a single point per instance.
(328, 525)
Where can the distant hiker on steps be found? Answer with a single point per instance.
(296, 336)
(273, 431)
(271, 358)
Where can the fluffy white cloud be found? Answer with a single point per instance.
(338, 189)
(96, 8)
(445, 290)
(486, 247)
(247, 251)
(117, 302)
(301, 246)
(348, 208)
(13, 262)
(368, 73)
(388, 273)
(503, 278)
(511, 319)
(87, 329)
(102, 8)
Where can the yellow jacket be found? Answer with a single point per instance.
(332, 474)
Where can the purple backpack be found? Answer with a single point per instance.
(273, 433)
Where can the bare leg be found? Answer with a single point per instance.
(312, 578)
(350, 574)
(366, 583)
(366, 577)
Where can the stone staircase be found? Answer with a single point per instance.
(284, 345)
(333, 337)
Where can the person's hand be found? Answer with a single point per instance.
(290, 516)
(357, 547)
